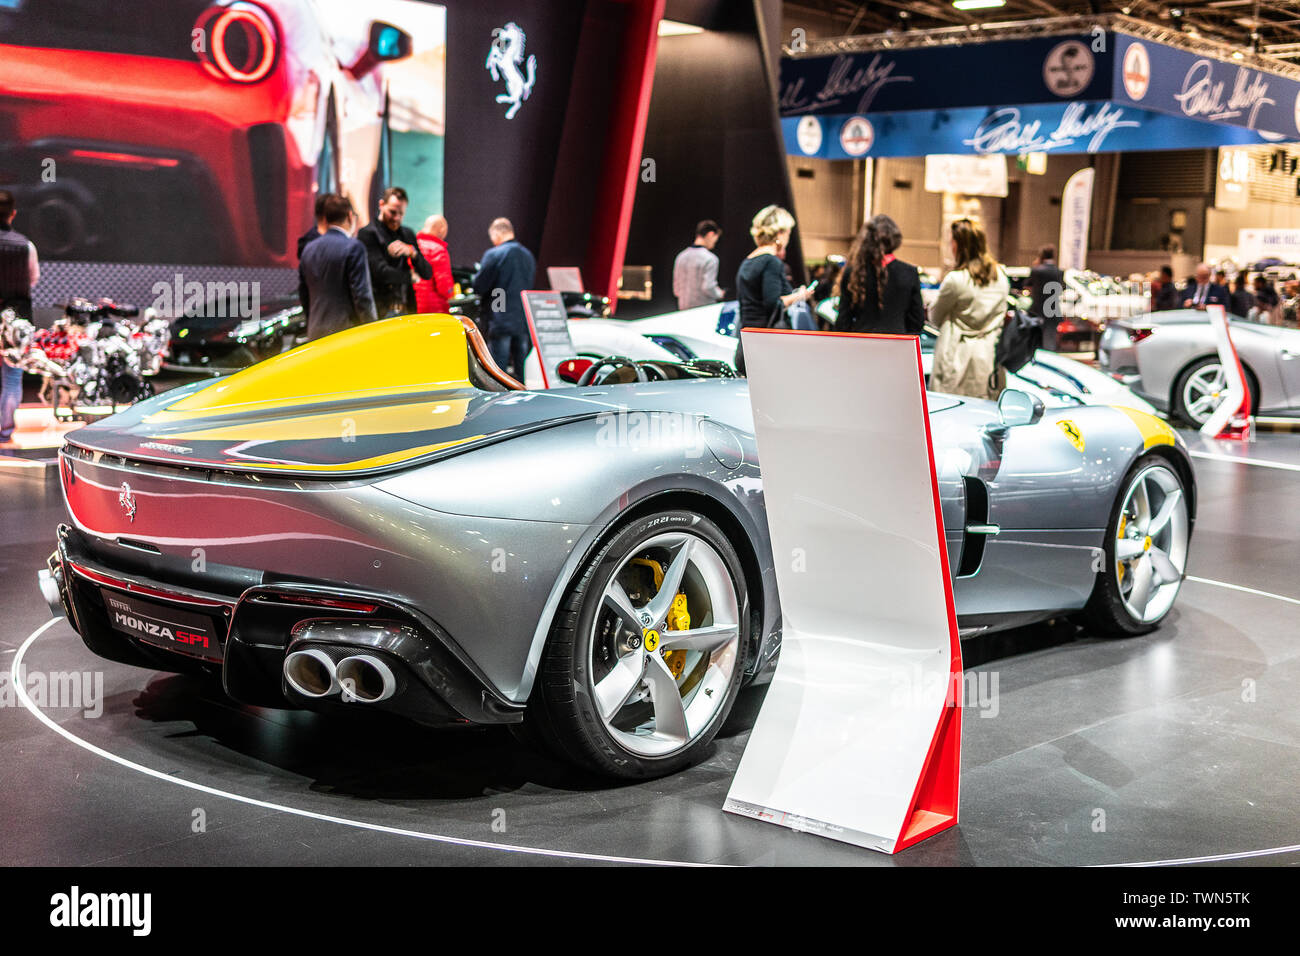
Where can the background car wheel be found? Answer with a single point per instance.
(1145, 552)
(1201, 388)
(647, 652)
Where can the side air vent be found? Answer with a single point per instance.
(977, 527)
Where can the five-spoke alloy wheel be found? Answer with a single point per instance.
(1146, 551)
(648, 650)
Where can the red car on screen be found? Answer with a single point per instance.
(186, 131)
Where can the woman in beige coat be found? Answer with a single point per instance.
(969, 311)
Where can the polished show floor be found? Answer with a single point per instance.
(1180, 745)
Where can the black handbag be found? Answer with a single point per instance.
(777, 318)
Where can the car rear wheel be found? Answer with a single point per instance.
(1202, 387)
(647, 653)
(1145, 555)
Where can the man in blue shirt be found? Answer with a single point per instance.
(506, 271)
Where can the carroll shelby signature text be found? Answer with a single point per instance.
(1003, 131)
(843, 81)
(1201, 96)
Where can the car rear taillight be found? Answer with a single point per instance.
(1137, 335)
(237, 41)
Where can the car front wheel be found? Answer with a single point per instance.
(647, 653)
(1145, 554)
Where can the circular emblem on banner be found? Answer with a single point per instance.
(808, 135)
(1297, 111)
(1137, 71)
(1068, 68)
(857, 135)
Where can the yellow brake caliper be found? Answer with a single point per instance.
(679, 617)
(1123, 523)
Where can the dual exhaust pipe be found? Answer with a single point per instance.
(358, 678)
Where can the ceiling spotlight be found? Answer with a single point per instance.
(1236, 54)
(1126, 10)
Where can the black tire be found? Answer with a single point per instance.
(1105, 614)
(1177, 404)
(561, 711)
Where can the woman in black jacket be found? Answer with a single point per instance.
(879, 293)
(761, 282)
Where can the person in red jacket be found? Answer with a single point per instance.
(431, 295)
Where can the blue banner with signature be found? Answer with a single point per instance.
(1181, 83)
(1072, 128)
(1038, 70)
(1092, 92)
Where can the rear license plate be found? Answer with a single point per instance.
(167, 627)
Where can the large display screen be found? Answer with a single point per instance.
(146, 133)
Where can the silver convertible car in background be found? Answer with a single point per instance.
(382, 519)
(1172, 360)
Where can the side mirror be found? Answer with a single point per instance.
(388, 42)
(1017, 408)
(571, 370)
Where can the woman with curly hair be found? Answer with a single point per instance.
(969, 311)
(879, 292)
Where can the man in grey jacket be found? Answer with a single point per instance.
(695, 272)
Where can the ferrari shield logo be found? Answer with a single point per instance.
(1072, 432)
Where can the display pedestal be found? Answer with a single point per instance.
(859, 738)
(1231, 420)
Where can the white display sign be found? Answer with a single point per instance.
(1231, 419)
(1076, 217)
(1256, 244)
(969, 175)
(859, 737)
(1232, 184)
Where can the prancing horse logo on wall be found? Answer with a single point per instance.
(127, 500)
(504, 60)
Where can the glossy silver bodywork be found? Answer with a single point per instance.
(486, 536)
(1180, 337)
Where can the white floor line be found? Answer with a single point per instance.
(1244, 590)
(1258, 462)
(16, 669)
(1217, 858)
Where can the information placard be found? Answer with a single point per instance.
(859, 738)
(548, 324)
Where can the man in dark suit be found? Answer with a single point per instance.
(1164, 292)
(393, 251)
(1204, 292)
(507, 270)
(318, 228)
(335, 282)
(1046, 283)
